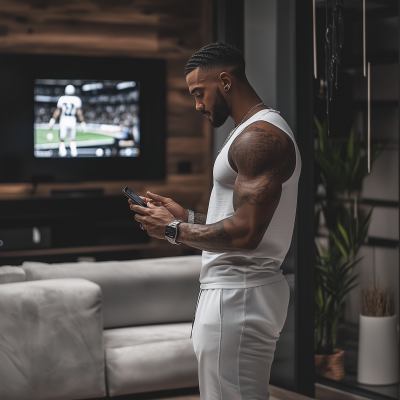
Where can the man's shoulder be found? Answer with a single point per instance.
(262, 144)
(262, 129)
(260, 136)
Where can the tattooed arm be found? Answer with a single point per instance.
(264, 158)
(200, 219)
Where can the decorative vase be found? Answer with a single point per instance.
(330, 365)
(378, 354)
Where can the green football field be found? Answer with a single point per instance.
(41, 136)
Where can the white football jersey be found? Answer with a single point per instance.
(69, 105)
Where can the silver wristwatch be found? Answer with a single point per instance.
(190, 216)
(171, 231)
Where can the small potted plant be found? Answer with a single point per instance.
(378, 361)
(334, 279)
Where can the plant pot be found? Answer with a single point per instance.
(378, 362)
(330, 365)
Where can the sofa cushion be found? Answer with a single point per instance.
(51, 340)
(149, 358)
(140, 292)
(12, 274)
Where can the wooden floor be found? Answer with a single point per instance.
(276, 394)
(322, 393)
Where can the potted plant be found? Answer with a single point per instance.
(343, 166)
(378, 362)
(334, 278)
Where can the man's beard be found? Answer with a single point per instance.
(220, 111)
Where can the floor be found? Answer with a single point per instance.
(322, 393)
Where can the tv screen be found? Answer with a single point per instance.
(86, 118)
(68, 118)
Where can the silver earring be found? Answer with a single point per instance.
(226, 88)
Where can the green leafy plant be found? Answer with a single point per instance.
(334, 277)
(343, 164)
(351, 233)
(334, 280)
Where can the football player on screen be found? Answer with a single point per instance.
(69, 108)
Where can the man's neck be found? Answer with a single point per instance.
(245, 100)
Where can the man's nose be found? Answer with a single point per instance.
(199, 106)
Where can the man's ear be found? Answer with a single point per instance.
(225, 81)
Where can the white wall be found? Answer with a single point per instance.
(260, 43)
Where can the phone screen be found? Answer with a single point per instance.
(133, 196)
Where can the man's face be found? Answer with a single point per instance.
(204, 86)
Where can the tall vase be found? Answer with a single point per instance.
(378, 354)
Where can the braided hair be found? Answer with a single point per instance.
(215, 55)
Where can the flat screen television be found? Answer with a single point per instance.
(71, 119)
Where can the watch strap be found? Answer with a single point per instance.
(190, 216)
(173, 224)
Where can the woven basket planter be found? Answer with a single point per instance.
(330, 365)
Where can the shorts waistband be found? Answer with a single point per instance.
(242, 285)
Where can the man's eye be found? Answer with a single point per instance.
(200, 95)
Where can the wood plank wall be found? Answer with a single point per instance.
(172, 30)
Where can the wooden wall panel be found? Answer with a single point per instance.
(172, 30)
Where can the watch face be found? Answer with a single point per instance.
(170, 232)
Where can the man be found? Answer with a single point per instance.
(244, 236)
(69, 107)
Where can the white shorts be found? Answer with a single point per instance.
(234, 338)
(67, 130)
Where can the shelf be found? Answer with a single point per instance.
(76, 250)
(361, 104)
(350, 386)
(387, 9)
(378, 58)
(378, 13)
(382, 242)
(373, 241)
(369, 202)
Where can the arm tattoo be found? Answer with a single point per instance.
(200, 218)
(260, 155)
(212, 237)
(255, 191)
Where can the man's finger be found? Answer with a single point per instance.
(130, 201)
(146, 199)
(140, 210)
(157, 197)
(151, 204)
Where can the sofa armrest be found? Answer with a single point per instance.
(51, 340)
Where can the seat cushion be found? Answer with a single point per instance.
(149, 358)
(140, 292)
(51, 340)
(11, 274)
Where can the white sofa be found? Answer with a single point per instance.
(89, 330)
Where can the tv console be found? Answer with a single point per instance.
(68, 224)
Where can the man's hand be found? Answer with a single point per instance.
(175, 209)
(154, 219)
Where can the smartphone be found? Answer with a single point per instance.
(133, 196)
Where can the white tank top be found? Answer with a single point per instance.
(243, 269)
